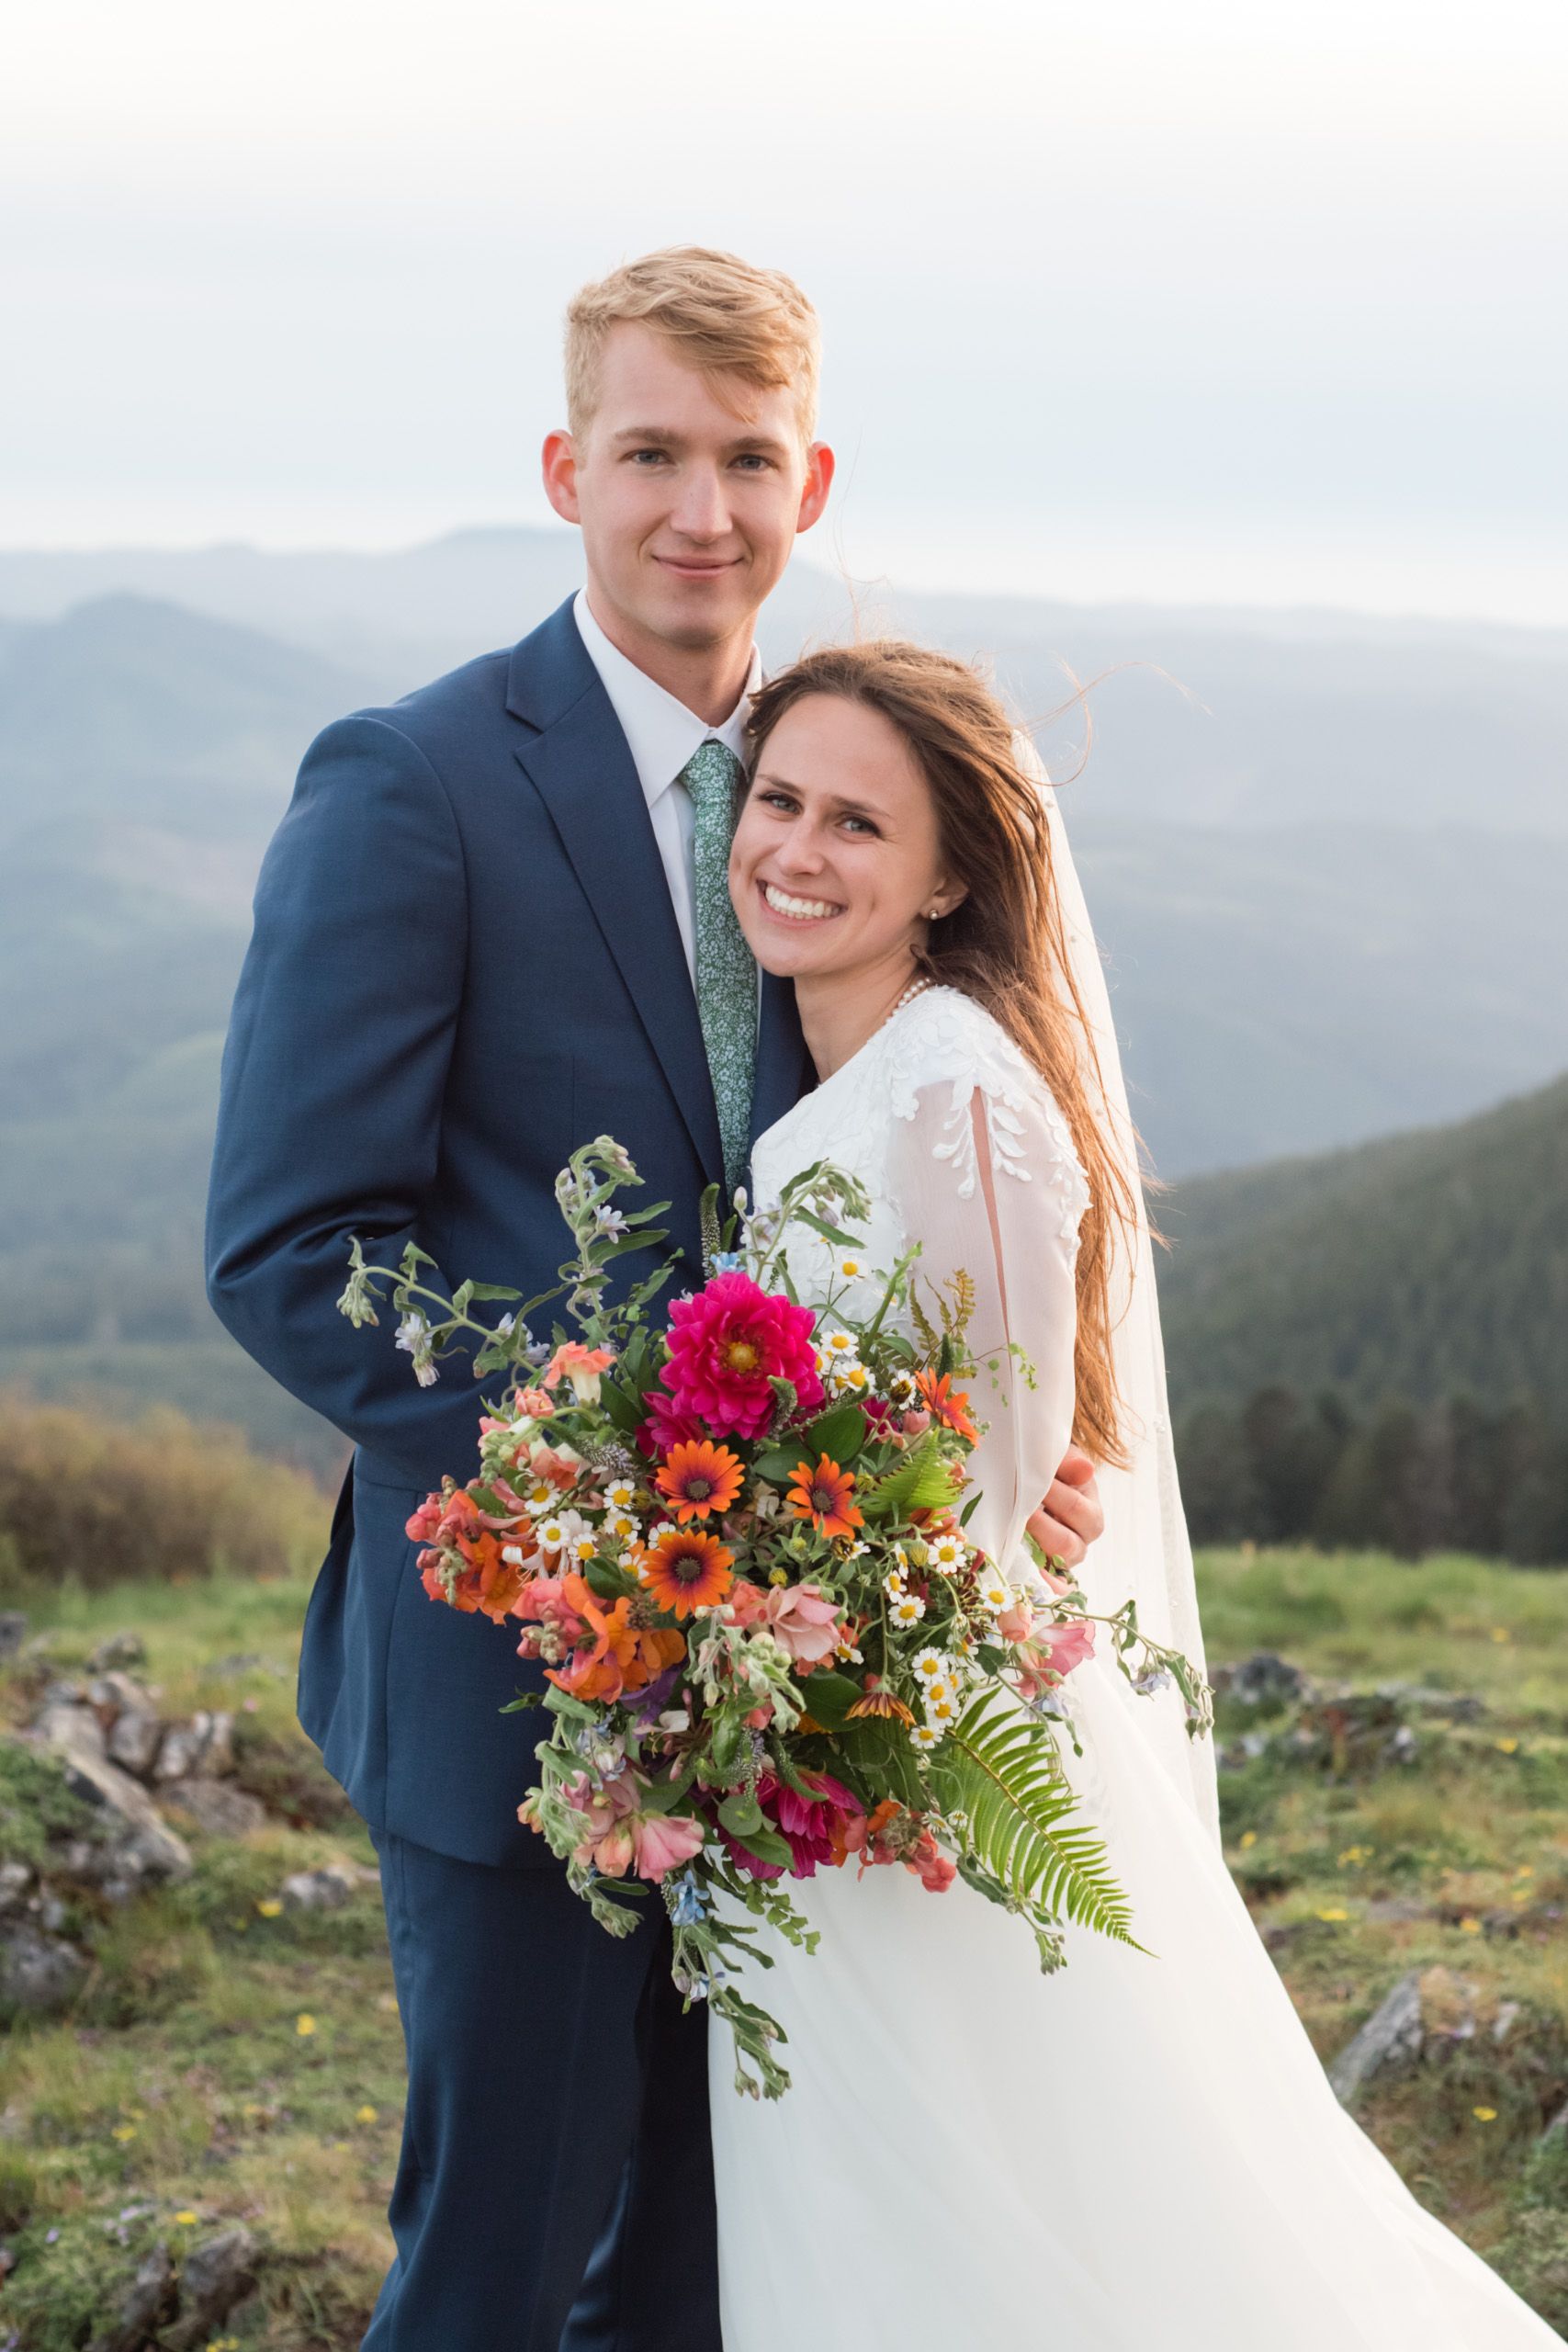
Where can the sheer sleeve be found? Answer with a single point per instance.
(984, 1176)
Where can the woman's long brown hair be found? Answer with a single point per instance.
(1005, 944)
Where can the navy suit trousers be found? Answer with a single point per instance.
(555, 2190)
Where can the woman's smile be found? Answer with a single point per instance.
(792, 906)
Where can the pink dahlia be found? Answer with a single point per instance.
(726, 1345)
(815, 1830)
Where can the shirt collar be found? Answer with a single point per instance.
(661, 732)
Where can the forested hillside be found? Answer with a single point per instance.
(1373, 1345)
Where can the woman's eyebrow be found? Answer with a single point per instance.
(845, 807)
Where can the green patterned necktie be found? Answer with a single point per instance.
(727, 975)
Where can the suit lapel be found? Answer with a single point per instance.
(579, 764)
(784, 1067)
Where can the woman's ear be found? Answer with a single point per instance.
(944, 900)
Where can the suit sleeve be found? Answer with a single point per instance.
(334, 1076)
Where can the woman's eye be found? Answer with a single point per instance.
(779, 800)
(861, 824)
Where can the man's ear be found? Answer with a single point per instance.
(557, 464)
(821, 463)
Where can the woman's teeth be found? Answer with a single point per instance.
(800, 908)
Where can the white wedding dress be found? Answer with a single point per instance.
(1142, 2151)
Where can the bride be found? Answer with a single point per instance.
(1142, 2150)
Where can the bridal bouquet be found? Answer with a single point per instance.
(737, 1540)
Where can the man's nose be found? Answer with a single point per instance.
(702, 511)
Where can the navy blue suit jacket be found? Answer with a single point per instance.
(464, 963)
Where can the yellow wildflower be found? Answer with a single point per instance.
(304, 2024)
(268, 1906)
(1485, 2114)
(1334, 1913)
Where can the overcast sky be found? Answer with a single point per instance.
(1243, 300)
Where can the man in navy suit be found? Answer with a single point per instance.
(477, 945)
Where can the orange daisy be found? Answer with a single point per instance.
(947, 1405)
(698, 1477)
(879, 1701)
(687, 1569)
(824, 1496)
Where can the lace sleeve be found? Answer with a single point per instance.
(984, 1172)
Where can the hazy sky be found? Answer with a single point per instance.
(1249, 301)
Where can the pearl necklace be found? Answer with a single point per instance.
(915, 989)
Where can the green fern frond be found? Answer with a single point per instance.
(931, 1338)
(1006, 1776)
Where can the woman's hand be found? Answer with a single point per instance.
(1070, 1519)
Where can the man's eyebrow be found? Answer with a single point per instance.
(641, 435)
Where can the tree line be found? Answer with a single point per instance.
(1409, 1479)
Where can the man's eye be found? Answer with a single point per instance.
(755, 460)
(653, 456)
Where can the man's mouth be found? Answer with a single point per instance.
(793, 910)
(697, 568)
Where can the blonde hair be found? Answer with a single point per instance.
(1005, 944)
(724, 318)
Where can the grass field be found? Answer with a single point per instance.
(229, 2059)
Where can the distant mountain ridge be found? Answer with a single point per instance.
(1419, 1267)
(1274, 717)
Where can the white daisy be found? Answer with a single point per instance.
(908, 1610)
(942, 1708)
(930, 1666)
(924, 1735)
(893, 1584)
(851, 1269)
(622, 1526)
(839, 1346)
(947, 1553)
(553, 1532)
(621, 1494)
(995, 1591)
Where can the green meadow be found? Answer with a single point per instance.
(230, 2059)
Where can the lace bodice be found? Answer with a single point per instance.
(962, 1149)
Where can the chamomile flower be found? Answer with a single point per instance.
(852, 1377)
(893, 1584)
(947, 1553)
(901, 1388)
(553, 1532)
(994, 1592)
(541, 1495)
(907, 1609)
(844, 1650)
(582, 1546)
(853, 1269)
(621, 1494)
(622, 1526)
(925, 1737)
(930, 1665)
(942, 1706)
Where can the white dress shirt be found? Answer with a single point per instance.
(663, 734)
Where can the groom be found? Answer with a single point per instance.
(492, 924)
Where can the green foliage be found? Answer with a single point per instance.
(1007, 1779)
(98, 1501)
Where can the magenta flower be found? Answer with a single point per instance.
(726, 1345)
